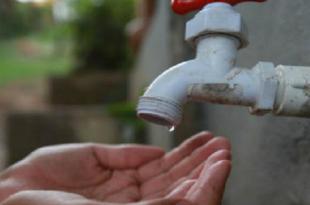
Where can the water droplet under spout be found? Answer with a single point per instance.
(172, 128)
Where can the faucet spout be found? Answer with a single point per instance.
(163, 101)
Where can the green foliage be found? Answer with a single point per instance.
(14, 65)
(123, 111)
(126, 113)
(18, 19)
(99, 34)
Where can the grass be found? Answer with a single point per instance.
(31, 57)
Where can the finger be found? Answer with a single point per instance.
(215, 157)
(175, 156)
(196, 172)
(210, 186)
(183, 168)
(166, 192)
(220, 155)
(182, 189)
(126, 156)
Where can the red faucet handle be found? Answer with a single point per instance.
(186, 6)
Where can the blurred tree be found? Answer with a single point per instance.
(99, 34)
(6, 16)
(17, 18)
(7, 5)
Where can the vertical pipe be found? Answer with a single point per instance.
(219, 51)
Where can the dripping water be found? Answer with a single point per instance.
(172, 128)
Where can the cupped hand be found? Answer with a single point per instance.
(63, 198)
(195, 171)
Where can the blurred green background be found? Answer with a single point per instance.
(58, 37)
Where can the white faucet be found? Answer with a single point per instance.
(218, 32)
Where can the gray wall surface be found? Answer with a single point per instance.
(271, 155)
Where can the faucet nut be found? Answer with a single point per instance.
(268, 85)
(217, 20)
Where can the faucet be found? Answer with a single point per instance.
(218, 32)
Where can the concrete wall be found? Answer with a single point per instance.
(271, 162)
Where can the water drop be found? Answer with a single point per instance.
(171, 129)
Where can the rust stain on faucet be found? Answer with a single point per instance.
(221, 93)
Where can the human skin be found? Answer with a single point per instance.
(63, 198)
(94, 174)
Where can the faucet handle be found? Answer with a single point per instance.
(186, 6)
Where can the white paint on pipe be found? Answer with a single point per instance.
(293, 96)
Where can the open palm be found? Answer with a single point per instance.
(196, 171)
